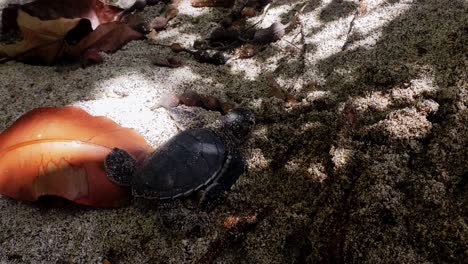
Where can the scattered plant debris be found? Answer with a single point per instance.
(56, 30)
(278, 92)
(236, 227)
(246, 51)
(191, 98)
(270, 34)
(212, 3)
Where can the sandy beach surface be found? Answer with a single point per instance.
(370, 165)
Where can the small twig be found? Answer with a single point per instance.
(292, 44)
(351, 25)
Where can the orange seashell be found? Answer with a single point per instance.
(60, 152)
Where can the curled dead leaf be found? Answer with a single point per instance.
(169, 61)
(60, 152)
(107, 37)
(43, 41)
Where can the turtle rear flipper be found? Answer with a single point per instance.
(120, 166)
(234, 167)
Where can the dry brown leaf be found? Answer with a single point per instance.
(43, 41)
(94, 10)
(107, 37)
(169, 61)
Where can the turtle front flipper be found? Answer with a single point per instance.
(233, 168)
(120, 167)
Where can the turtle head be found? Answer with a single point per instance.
(120, 166)
(239, 122)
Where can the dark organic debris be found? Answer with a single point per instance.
(270, 34)
(217, 58)
(192, 98)
(224, 35)
(152, 2)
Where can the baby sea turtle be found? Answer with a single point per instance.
(195, 159)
